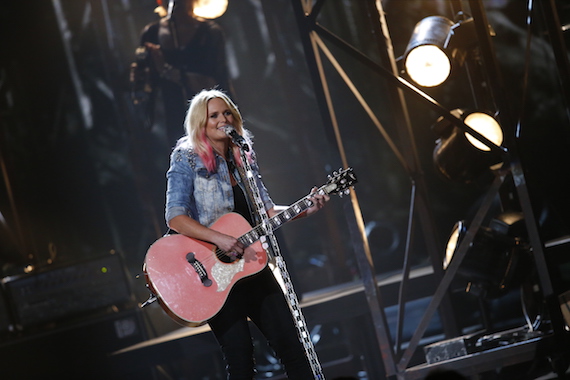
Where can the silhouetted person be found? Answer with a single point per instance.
(179, 55)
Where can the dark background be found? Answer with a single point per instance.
(83, 178)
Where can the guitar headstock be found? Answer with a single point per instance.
(340, 182)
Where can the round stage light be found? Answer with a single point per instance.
(210, 9)
(487, 126)
(428, 65)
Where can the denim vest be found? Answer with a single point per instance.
(203, 196)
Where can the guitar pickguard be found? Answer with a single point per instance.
(224, 273)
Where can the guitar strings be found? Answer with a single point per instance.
(255, 233)
(276, 221)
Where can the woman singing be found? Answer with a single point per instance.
(204, 183)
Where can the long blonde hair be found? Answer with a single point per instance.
(195, 126)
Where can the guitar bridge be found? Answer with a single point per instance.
(199, 268)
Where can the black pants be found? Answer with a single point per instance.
(260, 298)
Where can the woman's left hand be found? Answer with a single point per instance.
(319, 201)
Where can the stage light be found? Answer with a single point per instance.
(458, 155)
(428, 66)
(487, 126)
(497, 258)
(457, 232)
(437, 46)
(210, 9)
(425, 60)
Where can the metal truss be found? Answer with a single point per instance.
(317, 41)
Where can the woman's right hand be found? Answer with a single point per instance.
(185, 225)
(229, 244)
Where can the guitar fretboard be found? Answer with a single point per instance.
(277, 221)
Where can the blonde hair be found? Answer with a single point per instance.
(195, 126)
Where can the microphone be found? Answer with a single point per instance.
(236, 137)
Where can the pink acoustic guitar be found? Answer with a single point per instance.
(192, 279)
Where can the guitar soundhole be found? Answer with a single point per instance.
(225, 258)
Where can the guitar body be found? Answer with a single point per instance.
(188, 278)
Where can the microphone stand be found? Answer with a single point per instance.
(269, 244)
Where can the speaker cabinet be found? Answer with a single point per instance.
(66, 292)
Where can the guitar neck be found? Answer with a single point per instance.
(336, 185)
(277, 221)
(290, 213)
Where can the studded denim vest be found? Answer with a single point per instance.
(203, 196)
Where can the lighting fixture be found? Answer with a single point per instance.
(458, 155)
